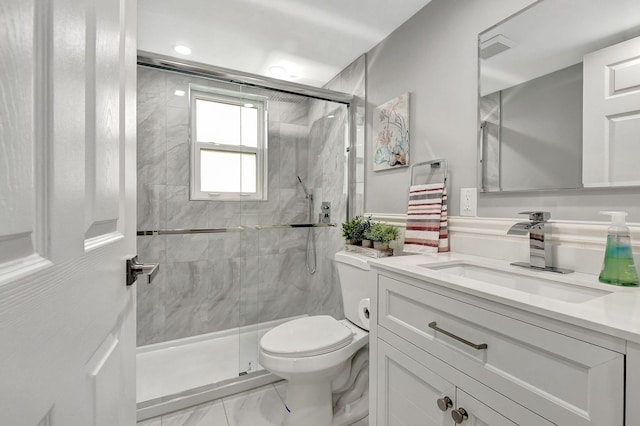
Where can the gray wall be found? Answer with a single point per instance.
(434, 57)
(219, 281)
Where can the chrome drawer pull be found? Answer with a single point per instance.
(434, 325)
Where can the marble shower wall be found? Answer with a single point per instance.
(215, 282)
(328, 167)
(352, 80)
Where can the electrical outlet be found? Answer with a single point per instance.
(468, 202)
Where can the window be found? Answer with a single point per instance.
(228, 145)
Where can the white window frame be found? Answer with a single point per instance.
(234, 98)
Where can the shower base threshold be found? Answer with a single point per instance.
(180, 373)
(192, 397)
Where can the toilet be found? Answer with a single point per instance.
(315, 353)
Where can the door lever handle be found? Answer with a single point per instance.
(135, 268)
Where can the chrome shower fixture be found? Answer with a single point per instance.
(311, 261)
(307, 194)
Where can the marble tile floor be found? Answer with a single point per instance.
(258, 407)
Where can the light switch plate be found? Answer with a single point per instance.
(468, 202)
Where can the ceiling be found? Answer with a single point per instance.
(552, 35)
(311, 40)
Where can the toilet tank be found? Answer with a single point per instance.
(353, 272)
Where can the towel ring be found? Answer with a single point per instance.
(434, 164)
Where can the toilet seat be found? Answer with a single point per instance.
(306, 337)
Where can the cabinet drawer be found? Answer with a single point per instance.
(572, 382)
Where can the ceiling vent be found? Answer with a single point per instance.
(493, 46)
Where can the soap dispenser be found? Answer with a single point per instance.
(618, 267)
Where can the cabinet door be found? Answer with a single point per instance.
(408, 392)
(477, 413)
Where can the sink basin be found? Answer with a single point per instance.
(539, 286)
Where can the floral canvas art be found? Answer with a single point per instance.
(391, 134)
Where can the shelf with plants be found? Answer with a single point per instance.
(367, 237)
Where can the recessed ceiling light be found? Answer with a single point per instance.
(183, 50)
(277, 71)
(330, 116)
(179, 92)
(248, 105)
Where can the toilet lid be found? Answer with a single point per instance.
(308, 336)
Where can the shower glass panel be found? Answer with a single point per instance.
(188, 320)
(307, 165)
(246, 270)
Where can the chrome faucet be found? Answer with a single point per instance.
(539, 242)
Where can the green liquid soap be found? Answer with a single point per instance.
(618, 267)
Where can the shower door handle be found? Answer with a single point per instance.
(135, 268)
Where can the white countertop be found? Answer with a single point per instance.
(616, 312)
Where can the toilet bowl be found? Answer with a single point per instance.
(314, 353)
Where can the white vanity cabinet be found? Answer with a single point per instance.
(496, 364)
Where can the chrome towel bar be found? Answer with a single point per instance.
(232, 229)
(191, 231)
(295, 225)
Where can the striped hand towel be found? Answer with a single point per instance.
(427, 230)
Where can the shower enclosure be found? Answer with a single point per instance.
(231, 269)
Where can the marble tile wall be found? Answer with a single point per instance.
(214, 282)
(353, 80)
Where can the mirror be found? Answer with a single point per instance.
(537, 79)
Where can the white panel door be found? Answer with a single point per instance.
(408, 392)
(67, 212)
(611, 116)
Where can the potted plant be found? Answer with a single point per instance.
(381, 234)
(353, 230)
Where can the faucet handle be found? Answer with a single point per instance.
(536, 216)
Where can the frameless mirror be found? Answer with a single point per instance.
(559, 97)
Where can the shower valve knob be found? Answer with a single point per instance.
(325, 212)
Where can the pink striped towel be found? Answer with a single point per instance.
(427, 230)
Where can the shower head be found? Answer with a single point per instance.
(304, 188)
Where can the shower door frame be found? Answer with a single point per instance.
(196, 69)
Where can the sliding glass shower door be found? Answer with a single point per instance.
(288, 269)
(233, 218)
